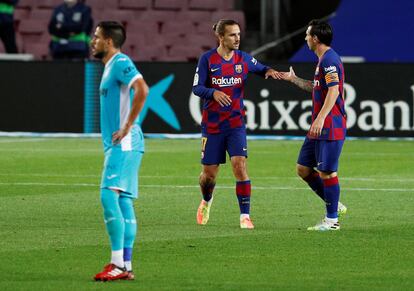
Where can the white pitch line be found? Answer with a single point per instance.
(366, 179)
(197, 186)
(22, 140)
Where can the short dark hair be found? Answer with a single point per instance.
(113, 30)
(220, 27)
(322, 30)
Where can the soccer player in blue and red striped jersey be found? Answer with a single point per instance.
(219, 81)
(324, 141)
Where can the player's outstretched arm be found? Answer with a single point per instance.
(271, 73)
(140, 94)
(301, 83)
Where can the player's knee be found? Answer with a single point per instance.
(108, 200)
(303, 171)
(328, 175)
(240, 171)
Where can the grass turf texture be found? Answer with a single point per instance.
(53, 235)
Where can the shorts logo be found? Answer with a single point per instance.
(111, 177)
(203, 146)
(238, 68)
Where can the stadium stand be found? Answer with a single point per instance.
(158, 30)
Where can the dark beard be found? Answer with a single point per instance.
(99, 55)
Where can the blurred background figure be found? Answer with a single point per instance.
(70, 28)
(7, 33)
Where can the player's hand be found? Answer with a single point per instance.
(120, 134)
(289, 76)
(222, 98)
(317, 126)
(271, 73)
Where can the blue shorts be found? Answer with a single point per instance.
(120, 171)
(321, 154)
(215, 146)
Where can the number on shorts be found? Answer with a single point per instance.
(203, 143)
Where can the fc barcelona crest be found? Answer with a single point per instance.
(238, 68)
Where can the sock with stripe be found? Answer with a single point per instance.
(316, 184)
(115, 225)
(207, 190)
(128, 212)
(243, 191)
(332, 191)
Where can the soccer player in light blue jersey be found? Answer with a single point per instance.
(122, 97)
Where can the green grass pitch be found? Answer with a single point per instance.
(52, 235)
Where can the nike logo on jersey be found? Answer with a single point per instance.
(111, 177)
(214, 69)
(320, 163)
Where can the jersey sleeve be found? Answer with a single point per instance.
(126, 72)
(330, 71)
(255, 66)
(200, 83)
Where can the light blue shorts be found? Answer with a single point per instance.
(120, 171)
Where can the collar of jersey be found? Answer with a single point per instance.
(111, 60)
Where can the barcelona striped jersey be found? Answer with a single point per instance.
(229, 76)
(329, 72)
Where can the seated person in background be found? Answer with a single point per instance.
(70, 28)
(7, 33)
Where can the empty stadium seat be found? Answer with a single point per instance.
(123, 16)
(153, 53)
(48, 4)
(204, 41)
(134, 41)
(204, 4)
(234, 15)
(20, 14)
(159, 16)
(157, 30)
(194, 16)
(227, 5)
(96, 5)
(33, 26)
(140, 26)
(205, 27)
(170, 4)
(185, 27)
(110, 4)
(41, 14)
(188, 53)
(27, 4)
(19, 42)
(39, 50)
(135, 4)
(171, 39)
